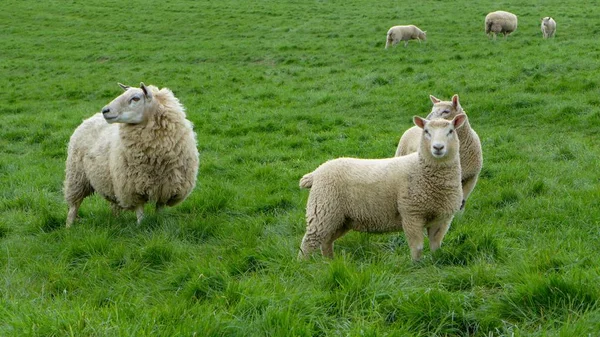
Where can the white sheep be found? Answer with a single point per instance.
(404, 33)
(471, 158)
(409, 193)
(139, 149)
(548, 27)
(500, 22)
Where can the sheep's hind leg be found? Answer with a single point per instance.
(327, 245)
(73, 209)
(139, 212)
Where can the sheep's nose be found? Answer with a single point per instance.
(105, 110)
(438, 147)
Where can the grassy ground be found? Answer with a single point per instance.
(275, 88)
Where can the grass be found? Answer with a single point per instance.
(275, 88)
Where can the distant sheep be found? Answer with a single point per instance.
(404, 33)
(471, 159)
(140, 149)
(409, 193)
(500, 22)
(548, 27)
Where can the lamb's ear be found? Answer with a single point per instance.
(420, 122)
(123, 86)
(434, 99)
(455, 101)
(146, 91)
(459, 120)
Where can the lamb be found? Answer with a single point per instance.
(404, 33)
(409, 193)
(139, 149)
(548, 27)
(500, 22)
(471, 159)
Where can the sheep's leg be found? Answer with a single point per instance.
(73, 209)
(139, 212)
(327, 245)
(405, 43)
(414, 235)
(467, 186)
(436, 232)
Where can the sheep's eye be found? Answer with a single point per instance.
(426, 132)
(446, 112)
(135, 98)
(450, 132)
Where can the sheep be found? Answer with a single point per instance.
(500, 22)
(471, 159)
(404, 33)
(409, 193)
(139, 149)
(548, 27)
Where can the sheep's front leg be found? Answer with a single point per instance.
(413, 229)
(436, 232)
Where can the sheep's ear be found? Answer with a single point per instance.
(434, 99)
(420, 122)
(459, 120)
(123, 86)
(146, 91)
(455, 101)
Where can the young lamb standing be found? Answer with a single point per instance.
(548, 27)
(404, 33)
(408, 193)
(471, 158)
(139, 149)
(500, 22)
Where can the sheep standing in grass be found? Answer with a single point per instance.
(500, 22)
(548, 27)
(140, 149)
(409, 193)
(471, 159)
(404, 33)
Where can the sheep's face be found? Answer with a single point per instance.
(444, 109)
(130, 107)
(439, 137)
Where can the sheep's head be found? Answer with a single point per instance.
(128, 108)
(445, 109)
(439, 137)
(545, 20)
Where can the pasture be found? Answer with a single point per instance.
(275, 88)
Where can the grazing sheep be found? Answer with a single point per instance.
(404, 33)
(548, 27)
(409, 193)
(140, 149)
(471, 159)
(500, 22)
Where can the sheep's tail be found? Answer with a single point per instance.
(306, 181)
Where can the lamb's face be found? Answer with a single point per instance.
(128, 108)
(439, 137)
(445, 109)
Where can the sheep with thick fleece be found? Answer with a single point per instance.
(410, 193)
(139, 149)
(404, 33)
(471, 158)
(500, 22)
(548, 27)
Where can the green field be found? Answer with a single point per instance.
(275, 88)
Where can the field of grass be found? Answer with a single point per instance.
(275, 88)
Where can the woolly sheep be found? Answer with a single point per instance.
(471, 159)
(409, 193)
(548, 27)
(500, 22)
(404, 33)
(139, 149)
